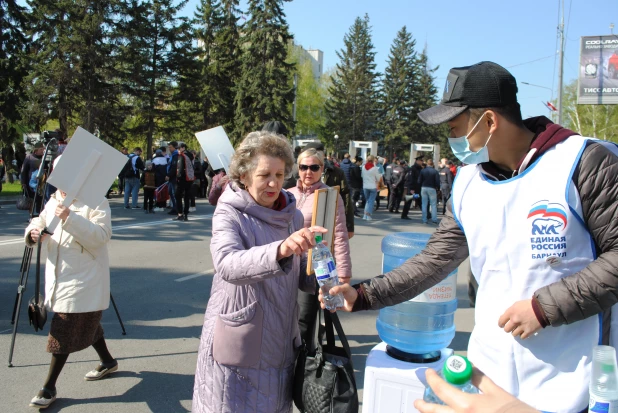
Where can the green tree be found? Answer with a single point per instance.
(211, 87)
(99, 107)
(264, 91)
(352, 107)
(52, 82)
(425, 96)
(154, 47)
(598, 121)
(311, 94)
(73, 67)
(401, 79)
(13, 70)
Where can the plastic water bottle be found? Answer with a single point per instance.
(457, 370)
(604, 381)
(326, 273)
(425, 324)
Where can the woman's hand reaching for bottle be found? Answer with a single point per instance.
(299, 242)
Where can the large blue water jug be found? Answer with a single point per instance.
(426, 323)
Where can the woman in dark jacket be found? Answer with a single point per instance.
(159, 165)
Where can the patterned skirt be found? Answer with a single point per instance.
(72, 332)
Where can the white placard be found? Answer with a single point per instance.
(217, 147)
(87, 168)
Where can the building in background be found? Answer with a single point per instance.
(316, 57)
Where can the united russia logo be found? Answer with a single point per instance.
(548, 221)
(549, 218)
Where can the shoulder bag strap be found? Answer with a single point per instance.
(332, 319)
(330, 332)
(321, 331)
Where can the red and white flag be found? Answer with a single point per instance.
(550, 106)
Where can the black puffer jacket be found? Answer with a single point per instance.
(334, 176)
(576, 297)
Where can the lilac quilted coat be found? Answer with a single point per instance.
(250, 334)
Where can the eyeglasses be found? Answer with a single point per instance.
(314, 167)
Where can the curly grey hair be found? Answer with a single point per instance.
(255, 144)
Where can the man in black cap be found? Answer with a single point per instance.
(534, 209)
(356, 183)
(396, 186)
(388, 172)
(418, 167)
(446, 182)
(334, 176)
(410, 187)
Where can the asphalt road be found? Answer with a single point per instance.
(161, 277)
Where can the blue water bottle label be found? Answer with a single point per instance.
(602, 406)
(331, 266)
(322, 273)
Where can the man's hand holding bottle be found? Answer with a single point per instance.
(349, 296)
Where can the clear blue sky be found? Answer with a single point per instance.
(458, 33)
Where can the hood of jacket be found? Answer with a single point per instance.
(159, 160)
(305, 192)
(346, 161)
(546, 135)
(241, 200)
(328, 165)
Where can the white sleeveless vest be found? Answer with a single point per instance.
(525, 233)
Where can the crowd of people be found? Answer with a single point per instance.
(181, 170)
(544, 255)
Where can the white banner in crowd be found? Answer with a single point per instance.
(217, 147)
(86, 170)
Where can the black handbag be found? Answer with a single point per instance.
(37, 313)
(324, 382)
(24, 203)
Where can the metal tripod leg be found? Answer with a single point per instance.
(23, 281)
(15, 323)
(23, 278)
(124, 333)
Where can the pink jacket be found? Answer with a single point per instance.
(216, 188)
(304, 202)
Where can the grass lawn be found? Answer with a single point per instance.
(13, 189)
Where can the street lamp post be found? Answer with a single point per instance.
(336, 144)
(542, 87)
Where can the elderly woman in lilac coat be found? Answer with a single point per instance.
(250, 336)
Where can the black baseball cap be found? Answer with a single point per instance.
(483, 85)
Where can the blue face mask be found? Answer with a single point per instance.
(461, 148)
